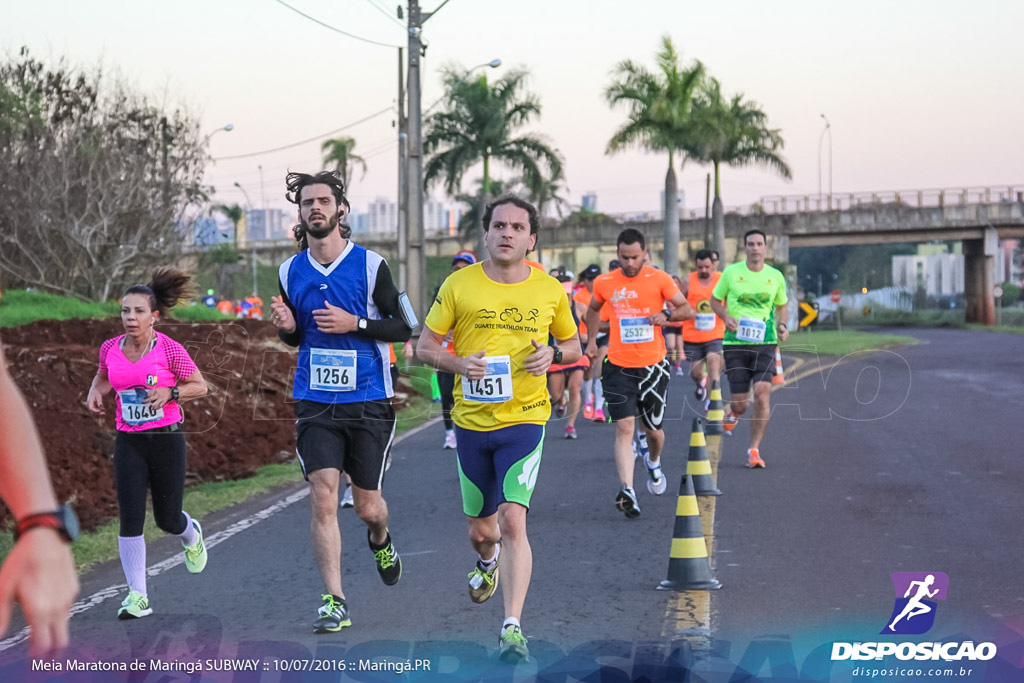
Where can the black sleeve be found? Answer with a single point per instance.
(289, 338)
(391, 327)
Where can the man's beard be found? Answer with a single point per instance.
(323, 231)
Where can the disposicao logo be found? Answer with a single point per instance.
(913, 613)
(914, 609)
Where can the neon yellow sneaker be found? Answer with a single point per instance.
(195, 554)
(135, 606)
(482, 583)
(512, 645)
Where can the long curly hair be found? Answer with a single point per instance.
(295, 182)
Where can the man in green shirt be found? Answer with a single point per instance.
(751, 299)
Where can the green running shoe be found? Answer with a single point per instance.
(482, 583)
(195, 554)
(512, 644)
(389, 564)
(135, 606)
(332, 616)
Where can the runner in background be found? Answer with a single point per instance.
(702, 336)
(635, 373)
(446, 380)
(565, 381)
(751, 299)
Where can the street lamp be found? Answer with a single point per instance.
(827, 129)
(252, 242)
(229, 127)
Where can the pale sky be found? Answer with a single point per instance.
(920, 94)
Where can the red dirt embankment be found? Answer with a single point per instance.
(245, 422)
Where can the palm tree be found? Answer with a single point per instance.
(470, 222)
(548, 193)
(234, 213)
(479, 125)
(659, 121)
(338, 152)
(735, 133)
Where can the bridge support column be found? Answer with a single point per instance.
(979, 278)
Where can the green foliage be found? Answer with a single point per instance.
(834, 343)
(339, 155)
(20, 307)
(659, 103)
(479, 124)
(586, 219)
(733, 132)
(120, 176)
(1011, 293)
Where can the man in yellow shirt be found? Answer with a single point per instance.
(500, 313)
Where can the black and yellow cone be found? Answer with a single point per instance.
(716, 410)
(688, 566)
(698, 466)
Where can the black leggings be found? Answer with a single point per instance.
(446, 383)
(153, 461)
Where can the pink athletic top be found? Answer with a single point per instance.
(164, 364)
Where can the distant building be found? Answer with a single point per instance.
(383, 216)
(269, 224)
(209, 231)
(589, 202)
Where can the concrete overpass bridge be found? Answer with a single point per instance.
(978, 217)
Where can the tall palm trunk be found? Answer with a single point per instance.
(671, 220)
(485, 197)
(718, 219)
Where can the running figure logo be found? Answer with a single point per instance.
(914, 608)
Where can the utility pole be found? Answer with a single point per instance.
(403, 180)
(417, 262)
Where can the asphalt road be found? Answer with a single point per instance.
(883, 462)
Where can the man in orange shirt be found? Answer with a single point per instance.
(702, 336)
(635, 372)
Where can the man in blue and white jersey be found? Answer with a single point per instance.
(340, 306)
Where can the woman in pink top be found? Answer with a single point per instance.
(150, 375)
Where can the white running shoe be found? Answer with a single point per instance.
(346, 500)
(656, 482)
(449, 441)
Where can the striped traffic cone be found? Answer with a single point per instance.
(688, 566)
(779, 378)
(698, 466)
(716, 410)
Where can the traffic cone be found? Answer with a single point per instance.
(779, 378)
(716, 410)
(688, 566)
(698, 467)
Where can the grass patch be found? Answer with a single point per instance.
(1012, 329)
(21, 307)
(834, 343)
(200, 500)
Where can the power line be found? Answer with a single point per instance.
(386, 13)
(336, 30)
(308, 140)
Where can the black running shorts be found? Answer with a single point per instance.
(629, 392)
(350, 437)
(747, 364)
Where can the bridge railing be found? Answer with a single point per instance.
(938, 197)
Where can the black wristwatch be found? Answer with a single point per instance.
(63, 520)
(174, 393)
(362, 323)
(557, 360)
